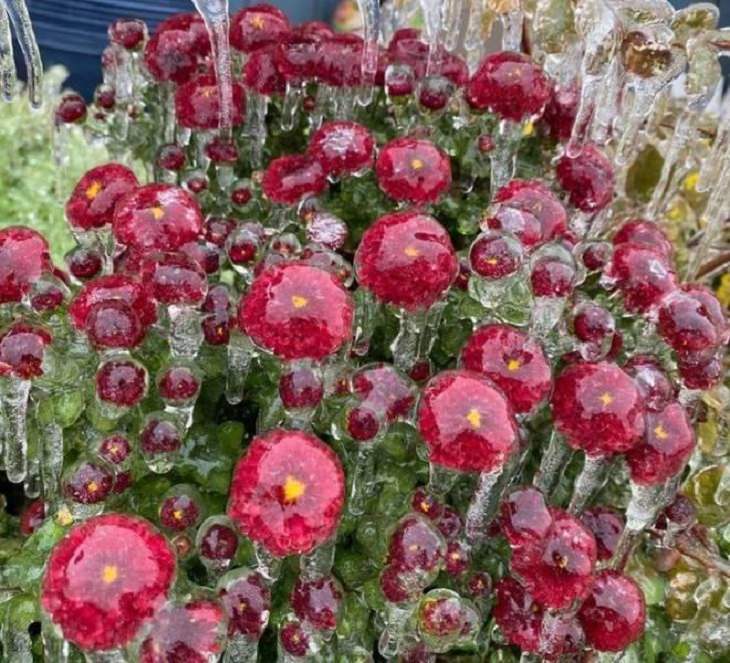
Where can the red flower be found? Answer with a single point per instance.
(193, 24)
(297, 311)
(466, 423)
(88, 484)
(513, 361)
(171, 55)
(247, 600)
(178, 385)
(258, 26)
(383, 391)
(644, 233)
(614, 614)
(588, 178)
(524, 517)
(552, 277)
(22, 348)
(32, 517)
(529, 210)
(121, 383)
(92, 201)
(653, 383)
(692, 320)
(105, 579)
(561, 110)
(413, 170)
(340, 61)
(343, 148)
(175, 278)
(642, 274)
(261, 74)
(127, 32)
(287, 492)
(517, 615)
(509, 85)
(157, 217)
(495, 255)
(193, 632)
(297, 58)
(416, 545)
(24, 256)
(606, 526)
(558, 568)
(114, 324)
(598, 408)
(406, 259)
(318, 602)
(289, 179)
(113, 288)
(668, 443)
(197, 103)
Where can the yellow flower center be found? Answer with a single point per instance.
(293, 489)
(177, 514)
(417, 164)
(257, 22)
(474, 418)
(110, 574)
(157, 212)
(660, 432)
(94, 190)
(514, 365)
(606, 399)
(411, 252)
(298, 301)
(92, 486)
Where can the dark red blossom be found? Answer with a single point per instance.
(466, 423)
(93, 199)
(287, 492)
(157, 217)
(413, 170)
(288, 179)
(513, 361)
(406, 259)
(106, 579)
(509, 85)
(24, 256)
(297, 311)
(598, 408)
(197, 103)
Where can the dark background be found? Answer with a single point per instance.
(73, 32)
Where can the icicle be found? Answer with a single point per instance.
(17, 392)
(712, 164)
(511, 16)
(483, 505)
(366, 314)
(503, 157)
(646, 92)
(454, 14)
(33, 486)
(20, 19)
(597, 25)
(17, 644)
(240, 352)
(241, 649)
(215, 15)
(111, 656)
(52, 463)
(396, 620)
(607, 107)
(268, 566)
(589, 481)
(370, 14)
(318, 563)
(431, 11)
(416, 336)
(552, 465)
(475, 38)
(678, 143)
(290, 108)
(362, 477)
(8, 78)
(257, 106)
(186, 331)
